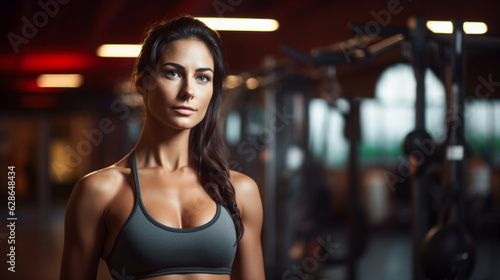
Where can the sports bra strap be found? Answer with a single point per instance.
(133, 165)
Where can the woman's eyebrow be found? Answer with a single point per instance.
(178, 66)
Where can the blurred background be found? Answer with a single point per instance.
(316, 111)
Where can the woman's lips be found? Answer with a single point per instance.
(184, 110)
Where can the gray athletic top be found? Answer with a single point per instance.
(146, 248)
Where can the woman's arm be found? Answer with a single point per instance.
(84, 230)
(248, 264)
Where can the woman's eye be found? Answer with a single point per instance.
(172, 73)
(203, 78)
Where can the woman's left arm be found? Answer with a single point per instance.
(248, 264)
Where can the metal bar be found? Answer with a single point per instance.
(385, 44)
(270, 180)
(420, 223)
(458, 138)
(470, 42)
(353, 216)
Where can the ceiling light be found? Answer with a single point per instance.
(240, 24)
(59, 80)
(232, 81)
(252, 83)
(475, 27)
(446, 27)
(119, 50)
(221, 24)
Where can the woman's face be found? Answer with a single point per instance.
(179, 89)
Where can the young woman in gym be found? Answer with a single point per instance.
(171, 209)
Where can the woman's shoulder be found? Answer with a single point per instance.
(102, 184)
(247, 191)
(104, 178)
(242, 182)
(92, 196)
(247, 197)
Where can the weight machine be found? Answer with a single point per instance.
(431, 258)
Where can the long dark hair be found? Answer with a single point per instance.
(207, 151)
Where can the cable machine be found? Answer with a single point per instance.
(430, 259)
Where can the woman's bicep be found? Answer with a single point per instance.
(83, 233)
(249, 262)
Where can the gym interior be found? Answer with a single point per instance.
(372, 128)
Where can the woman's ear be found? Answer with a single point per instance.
(142, 91)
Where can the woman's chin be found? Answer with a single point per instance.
(177, 123)
(182, 125)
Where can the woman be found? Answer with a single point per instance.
(171, 209)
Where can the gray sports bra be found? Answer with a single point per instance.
(146, 248)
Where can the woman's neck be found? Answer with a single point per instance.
(162, 145)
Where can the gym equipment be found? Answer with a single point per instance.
(447, 251)
(413, 141)
(441, 255)
(356, 215)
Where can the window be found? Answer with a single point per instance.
(387, 119)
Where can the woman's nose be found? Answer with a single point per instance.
(188, 94)
(187, 91)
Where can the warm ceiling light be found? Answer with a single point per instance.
(240, 24)
(252, 83)
(232, 81)
(59, 80)
(221, 24)
(119, 50)
(475, 27)
(446, 27)
(435, 26)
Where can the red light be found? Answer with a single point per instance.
(55, 62)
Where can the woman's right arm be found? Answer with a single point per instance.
(84, 230)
